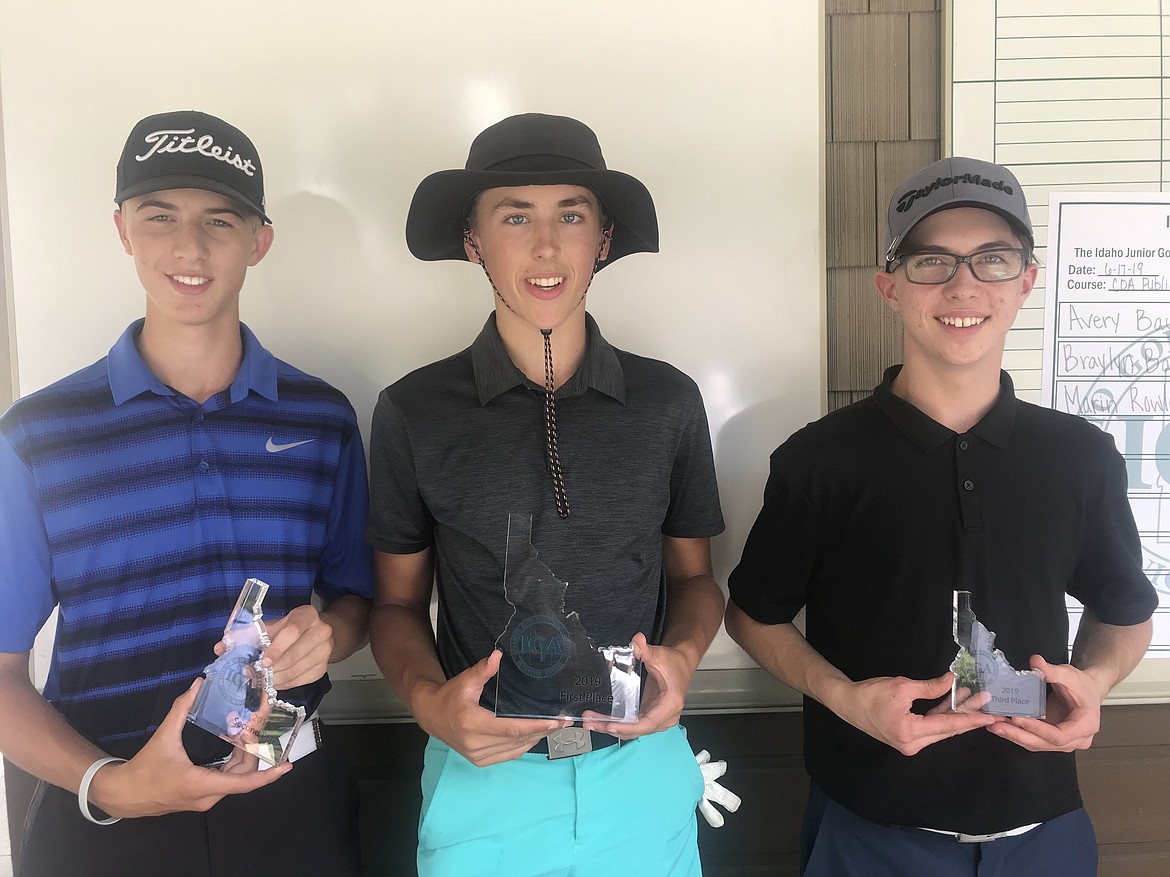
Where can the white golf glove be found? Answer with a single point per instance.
(713, 793)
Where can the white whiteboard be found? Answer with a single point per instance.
(1068, 94)
(1107, 349)
(716, 107)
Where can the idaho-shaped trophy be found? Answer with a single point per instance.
(237, 701)
(551, 668)
(984, 680)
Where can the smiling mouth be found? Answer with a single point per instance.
(546, 283)
(190, 279)
(961, 322)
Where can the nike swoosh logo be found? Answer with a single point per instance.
(273, 448)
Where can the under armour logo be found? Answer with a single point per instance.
(570, 738)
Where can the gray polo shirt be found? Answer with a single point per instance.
(459, 444)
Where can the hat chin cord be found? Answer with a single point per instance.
(552, 455)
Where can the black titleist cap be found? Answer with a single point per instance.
(190, 150)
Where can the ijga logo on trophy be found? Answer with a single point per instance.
(234, 681)
(540, 646)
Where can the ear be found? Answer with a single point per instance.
(1029, 280)
(469, 245)
(264, 237)
(606, 240)
(887, 288)
(120, 224)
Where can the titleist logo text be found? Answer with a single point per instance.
(908, 198)
(181, 141)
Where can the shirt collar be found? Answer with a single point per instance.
(495, 373)
(257, 372)
(995, 427)
(130, 376)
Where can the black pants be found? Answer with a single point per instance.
(306, 823)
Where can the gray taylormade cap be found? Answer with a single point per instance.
(956, 182)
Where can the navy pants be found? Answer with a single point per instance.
(837, 843)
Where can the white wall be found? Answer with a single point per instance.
(716, 107)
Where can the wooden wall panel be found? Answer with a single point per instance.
(870, 65)
(1125, 781)
(867, 335)
(833, 7)
(1125, 804)
(765, 767)
(925, 76)
(903, 5)
(387, 761)
(849, 205)
(1134, 860)
(883, 85)
(1135, 725)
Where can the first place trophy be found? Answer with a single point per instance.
(551, 668)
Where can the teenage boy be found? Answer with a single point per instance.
(137, 495)
(610, 455)
(876, 514)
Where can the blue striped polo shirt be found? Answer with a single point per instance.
(140, 513)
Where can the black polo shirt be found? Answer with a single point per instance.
(459, 444)
(873, 516)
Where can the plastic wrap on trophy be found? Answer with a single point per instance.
(237, 701)
(984, 680)
(551, 667)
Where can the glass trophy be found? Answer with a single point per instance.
(237, 701)
(984, 680)
(551, 668)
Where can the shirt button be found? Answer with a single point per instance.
(963, 445)
(204, 466)
(199, 417)
(967, 485)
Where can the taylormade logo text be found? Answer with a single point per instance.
(908, 198)
(181, 141)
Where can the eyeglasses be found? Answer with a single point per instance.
(991, 266)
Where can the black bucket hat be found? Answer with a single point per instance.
(531, 149)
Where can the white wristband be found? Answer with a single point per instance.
(83, 791)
